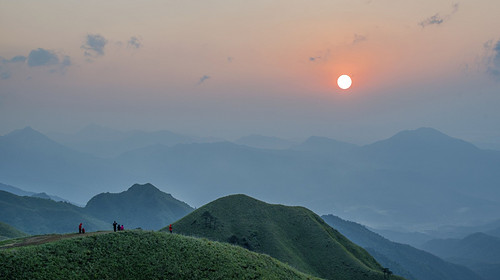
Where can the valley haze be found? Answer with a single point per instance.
(416, 180)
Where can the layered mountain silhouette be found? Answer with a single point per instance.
(418, 179)
(105, 142)
(294, 235)
(479, 251)
(142, 206)
(39, 216)
(264, 142)
(402, 259)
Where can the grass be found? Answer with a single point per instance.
(294, 235)
(140, 255)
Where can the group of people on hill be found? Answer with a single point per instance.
(117, 226)
(81, 229)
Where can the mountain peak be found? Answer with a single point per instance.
(424, 137)
(143, 187)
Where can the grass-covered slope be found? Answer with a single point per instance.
(8, 231)
(294, 235)
(142, 206)
(39, 216)
(140, 255)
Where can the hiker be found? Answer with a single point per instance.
(118, 227)
(114, 226)
(80, 228)
(122, 228)
(83, 230)
(170, 228)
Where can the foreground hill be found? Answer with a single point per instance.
(400, 258)
(8, 231)
(294, 235)
(479, 251)
(142, 206)
(140, 255)
(39, 216)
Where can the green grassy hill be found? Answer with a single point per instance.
(39, 216)
(142, 206)
(140, 255)
(8, 231)
(294, 235)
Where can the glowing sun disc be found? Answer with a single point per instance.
(344, 82)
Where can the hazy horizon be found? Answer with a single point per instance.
(228, 70)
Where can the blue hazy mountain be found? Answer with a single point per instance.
(265, 142)
(324, 146)
(402, 259)
(20, 192)
(479, 251)
(107, 142)
(142, 206)
(419, 179)
(29, 158)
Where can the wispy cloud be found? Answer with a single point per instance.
(134, 43)
(38, 58)
(94, 45)
(494, 59)
(358, 39)
(203, 79)
(437, 19)
(321, 56)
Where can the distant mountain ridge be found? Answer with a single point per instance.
(140, 206)
(403, 259)
(291, 234)
(479, 251)
(418, 180)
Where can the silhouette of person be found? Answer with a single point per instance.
(83, 230)
(114, 226)
(80, 228)
(122, 228)
(118, 227)
(170, 228)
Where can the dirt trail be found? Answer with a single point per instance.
(41, 239)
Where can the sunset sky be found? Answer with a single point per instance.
(234, 68)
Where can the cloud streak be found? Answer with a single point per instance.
(203, 79)
(94, 45)
(494, 63)
(437, 19)
(134, 43)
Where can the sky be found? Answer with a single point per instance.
(234, 68)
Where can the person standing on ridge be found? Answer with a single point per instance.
(114, 226)
(80, 228)
(83, 230)
(170, 228)
(122, 228)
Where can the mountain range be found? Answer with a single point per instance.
(403, 259)
(141, 206)
(479, 251)
(417, 180)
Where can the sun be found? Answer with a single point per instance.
(344, 82)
